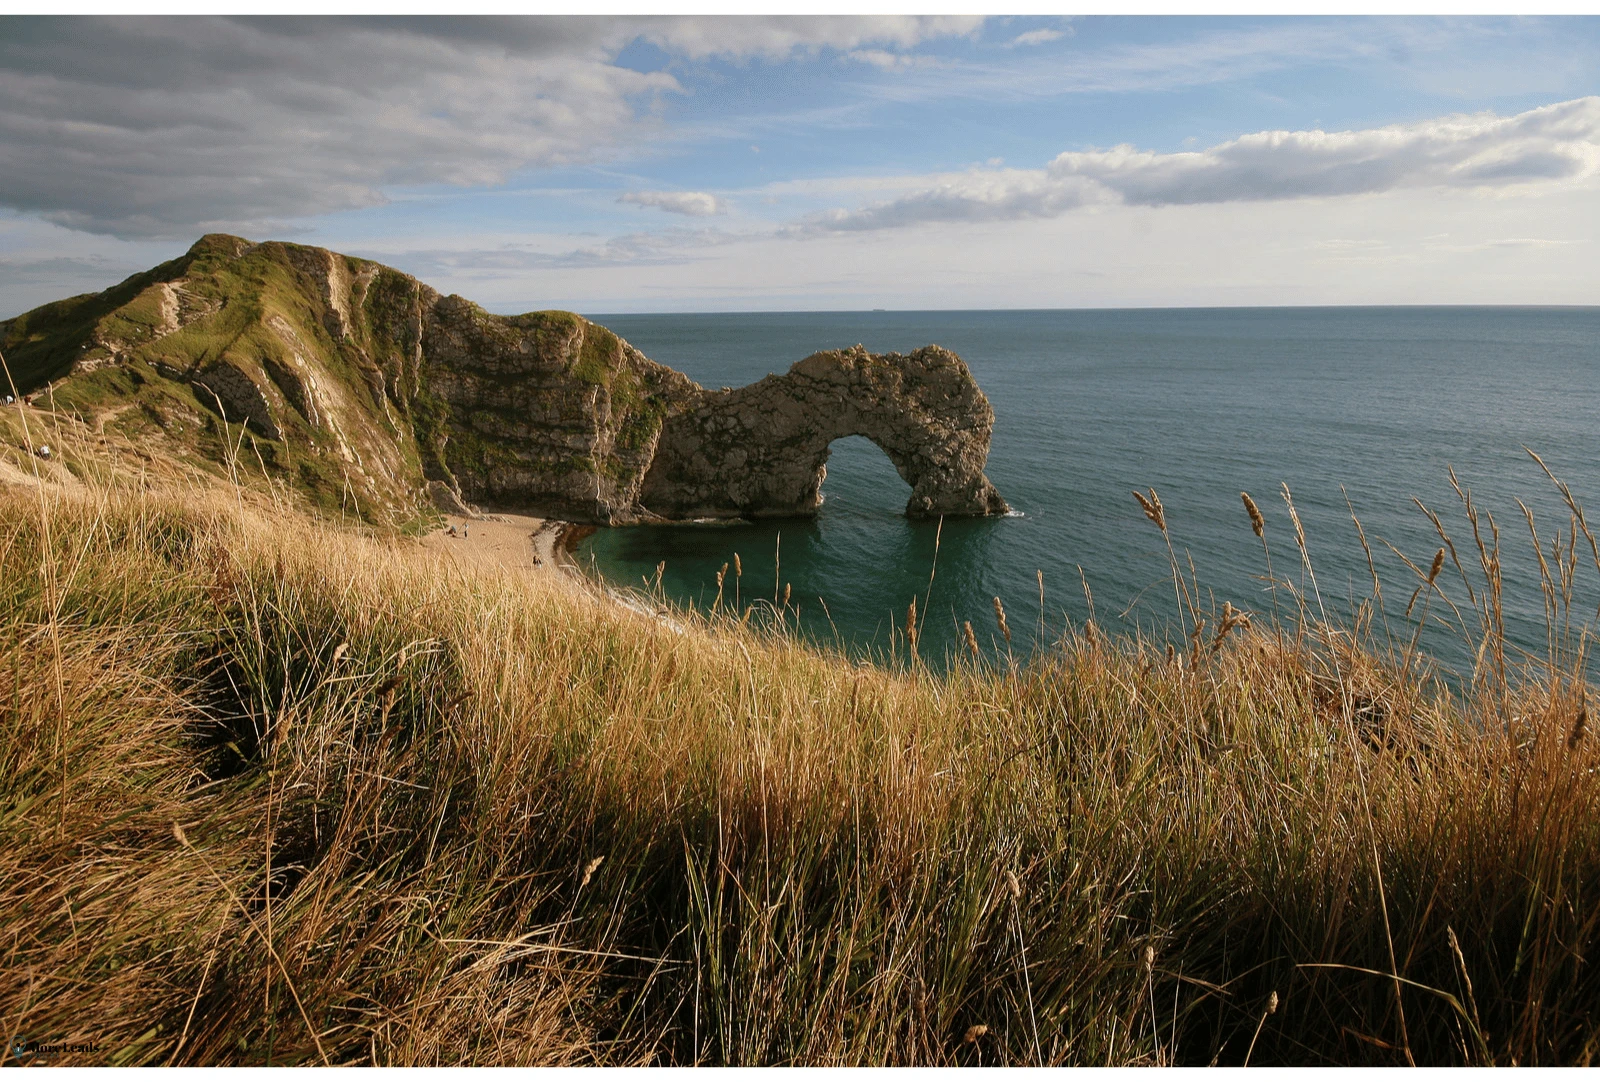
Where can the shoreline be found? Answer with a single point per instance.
(565, 539)
(511, 541)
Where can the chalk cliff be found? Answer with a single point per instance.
(361, 387)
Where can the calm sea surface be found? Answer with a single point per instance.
(1370, 403)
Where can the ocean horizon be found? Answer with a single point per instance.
(602, 317)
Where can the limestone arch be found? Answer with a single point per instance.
(761, 450)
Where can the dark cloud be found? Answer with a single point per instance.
(164, 127)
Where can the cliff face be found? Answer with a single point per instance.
(365, 389)
(545, 411)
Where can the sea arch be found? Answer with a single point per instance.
(761, 451)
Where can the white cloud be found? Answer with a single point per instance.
(1036, 37)
(887, 61)
(981, 195)
(666, 247)
(1558, 142)
(1201, 59)
(1528, 242)
(164, 127)
(1499, 243)
(693, 204)
(1474, 59)
(1217, 254)
(780, 36)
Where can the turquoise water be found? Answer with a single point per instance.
(1198, 403)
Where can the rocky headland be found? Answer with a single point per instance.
(359, 386)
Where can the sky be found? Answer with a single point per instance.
(651, 164)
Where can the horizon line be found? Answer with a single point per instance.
(1086, 308)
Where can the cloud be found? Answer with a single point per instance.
(1472, 58)
(1559, 142)
(1502, 243)
(981, 195)
(165, 127)
(693, 204)
(666, 247)
(1036, 37)
(1198, 59)
(780, 36)
(887, 61)
(1528, 242)
(59, 268)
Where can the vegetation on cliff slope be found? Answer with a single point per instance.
(272, 791)
(355, 385)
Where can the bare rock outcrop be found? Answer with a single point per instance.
(546, 411)
(762, 450)
(238, 397)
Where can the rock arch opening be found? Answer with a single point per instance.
(859, 476)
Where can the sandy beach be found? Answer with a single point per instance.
(521, 542)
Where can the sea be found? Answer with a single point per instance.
(1354, 414)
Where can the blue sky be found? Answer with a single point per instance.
(718, 163)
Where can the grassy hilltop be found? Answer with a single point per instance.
(277, 791)
(351, 383)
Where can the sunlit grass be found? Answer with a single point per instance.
(275, 791)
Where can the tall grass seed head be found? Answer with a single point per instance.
(1000, 619)
(1258, 524)
(1152, 508)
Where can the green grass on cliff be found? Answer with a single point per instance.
(253, 306)
(231, 292)
(275, 792)
(41, 345)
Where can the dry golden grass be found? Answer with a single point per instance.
(278, 792)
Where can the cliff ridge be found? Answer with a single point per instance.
(359, 386)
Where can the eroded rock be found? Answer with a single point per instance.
(546, 411)
(238, 397)
(762, 450)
